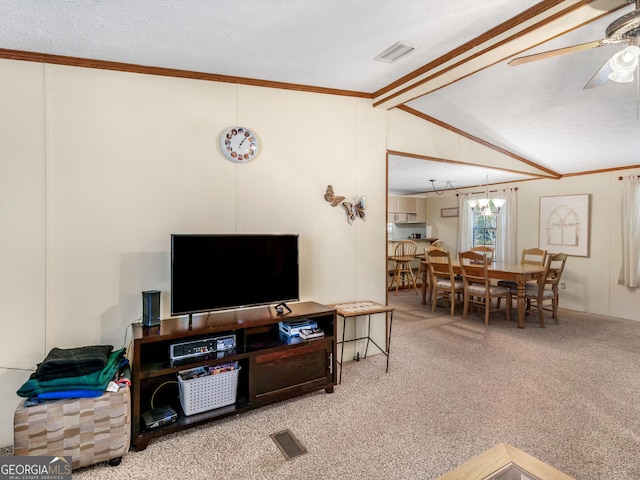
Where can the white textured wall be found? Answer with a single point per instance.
(22, 220)
(591, 282)
(100, 167)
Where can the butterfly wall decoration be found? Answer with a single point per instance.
(353, 210)
(330, 197)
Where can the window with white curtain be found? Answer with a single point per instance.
(497, 230)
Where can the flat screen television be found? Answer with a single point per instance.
(215, 272)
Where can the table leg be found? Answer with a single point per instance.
(389, 343)
(386, 331)
(368, 335)
(521, 305)
(344, 321)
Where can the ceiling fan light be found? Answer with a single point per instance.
(623, 64)
(621, 77)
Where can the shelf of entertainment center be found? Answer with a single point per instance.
(164, 367)
(273, 367)
(184, 422)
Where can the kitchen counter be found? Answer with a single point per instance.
(422, 243)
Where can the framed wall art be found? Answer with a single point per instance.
(449, 212)
(564, 224)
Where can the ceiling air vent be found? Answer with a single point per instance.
(395, 51)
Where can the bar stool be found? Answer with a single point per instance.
(404, 254)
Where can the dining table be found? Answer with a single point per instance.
(518, 273)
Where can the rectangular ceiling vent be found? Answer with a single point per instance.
(395, 51)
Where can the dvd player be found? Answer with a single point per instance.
(159, 416)
(200, 347)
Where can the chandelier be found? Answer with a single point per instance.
(484, 203)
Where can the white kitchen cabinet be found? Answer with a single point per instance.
(421, 210)
(398, 217)
(405, 209)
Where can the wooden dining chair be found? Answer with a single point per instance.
(529, 256)
(423, 276)
(444, 285)
(546, 289)
(404, 253)
(427, 282)
(478, 290)
(487, 251)
(533, 256)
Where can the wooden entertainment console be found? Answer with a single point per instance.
(273, 367)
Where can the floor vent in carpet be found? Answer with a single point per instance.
(288, 444)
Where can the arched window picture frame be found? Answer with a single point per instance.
(564, 224)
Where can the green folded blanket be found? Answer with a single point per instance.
(73, 362)
(92, 381)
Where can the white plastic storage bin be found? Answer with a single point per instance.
(206, 393)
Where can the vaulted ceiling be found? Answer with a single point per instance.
(457, 76)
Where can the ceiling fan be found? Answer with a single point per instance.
(621, 65)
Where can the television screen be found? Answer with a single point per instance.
(214, 272)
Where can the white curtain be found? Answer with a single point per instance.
(506, 227)
(465, 223)
(630, 270)
(505, 231)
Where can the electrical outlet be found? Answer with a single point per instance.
(562, 286)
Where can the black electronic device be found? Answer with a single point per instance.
(280, 308)
(151, 308)
(204, 346)
(157, 417)
(215, 272)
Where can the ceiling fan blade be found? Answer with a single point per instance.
(554, 53)
(601, 77)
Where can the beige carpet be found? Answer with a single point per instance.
(568, 394)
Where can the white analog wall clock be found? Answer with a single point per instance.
(239, 144)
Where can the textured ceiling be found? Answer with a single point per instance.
(327, 43)
(540, 110)
(537, 111)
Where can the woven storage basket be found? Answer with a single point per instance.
(206, 393)
(89, 430)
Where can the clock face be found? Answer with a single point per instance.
(239, 144)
